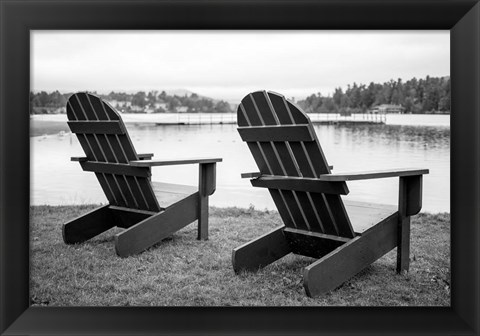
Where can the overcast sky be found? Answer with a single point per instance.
(229, 64)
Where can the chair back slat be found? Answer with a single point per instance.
(276, 133)
(330, 207)
(98, 127)
(104, 138)
(299, 155)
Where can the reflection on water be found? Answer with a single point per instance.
(57, 180)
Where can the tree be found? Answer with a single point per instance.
(162, 95)
(368, 95)
(355, 96)
(312, 103)
(152, 97)
(345, 102)
(409, 104)
(222, 106)
(444, 102)
(139, 99)
(173, 103)
(337, 96)
(416, 96)
(328, 106)
(397, 93)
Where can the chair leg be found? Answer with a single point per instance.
(88, 226)
(260, 252)
(157, 227)
(409, 203)
(202, 217)
(335, 268)
(403, 248)
(206, 187)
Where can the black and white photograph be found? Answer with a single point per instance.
(269, 168)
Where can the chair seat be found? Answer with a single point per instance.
(364, 216)
(169, 193)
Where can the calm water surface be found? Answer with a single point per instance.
(56, 180)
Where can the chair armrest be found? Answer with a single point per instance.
(153, 163)
(365, 175)
(297, 183)
(258, 174)
(78, 158)
(251, 175)
(83, 158)
(145, 156)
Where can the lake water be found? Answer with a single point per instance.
(55, 180)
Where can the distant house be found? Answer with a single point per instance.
(120, 103)
(388, 108)
(125, 103)
(159, 106)
(181, 109)
(113, 102)
(136, 108)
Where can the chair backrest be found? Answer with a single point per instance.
(283, 143)
(108, 148)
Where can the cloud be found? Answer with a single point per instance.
(226, 64)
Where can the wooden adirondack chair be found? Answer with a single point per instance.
(149, 211)
(346, 237)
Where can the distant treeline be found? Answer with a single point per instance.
(429, 95)
(152, 102)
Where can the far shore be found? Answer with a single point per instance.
(152, 118)
(47, 124)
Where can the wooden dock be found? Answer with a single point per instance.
(162, 119)
(230, 118)
(353, 119)
(347, 122)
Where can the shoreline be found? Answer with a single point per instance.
(226, 208)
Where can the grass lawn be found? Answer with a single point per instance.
(182, 271)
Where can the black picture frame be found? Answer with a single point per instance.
(18, 17)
